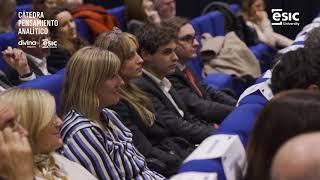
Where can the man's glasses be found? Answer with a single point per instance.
(189, 38)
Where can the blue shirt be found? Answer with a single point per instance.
(107, 154)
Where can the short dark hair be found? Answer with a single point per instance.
(313, 38)
(296, 70)
(175, 23)
(288, 114)
(152, 36)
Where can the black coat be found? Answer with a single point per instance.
(188, 127)
(214, 106)
(4, 82)
(148, 139)
(58, 58)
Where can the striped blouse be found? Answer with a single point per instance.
(106, 154)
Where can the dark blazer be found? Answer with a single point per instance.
(214, 106)
(4, 82)
(58, 58)
(188, 127)
(13, 75)
(147, 139)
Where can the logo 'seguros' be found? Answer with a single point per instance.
(279, 17)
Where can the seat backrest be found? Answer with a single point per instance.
(83, 30)
(20, 8)
(6, 39)
(219, 157)
(235, 8)
(51, 83)
(118, 13)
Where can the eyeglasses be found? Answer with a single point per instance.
(189, 38)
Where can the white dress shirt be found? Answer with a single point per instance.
(165, 86)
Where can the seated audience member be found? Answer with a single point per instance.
(200, 99)
(36, 113)
(66, 36)
(139, 12)
(92, 134)
(157, 49)
(15, 151)
(288, 114)
(253, 11)
(298, 159)
(165, 8)
(299, 69)
(25, 62)
(44, 5)
(7, 13)
(135, 109)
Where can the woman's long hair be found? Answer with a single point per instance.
(35, 110)
(85, 71)
(64, 42)
(120, 43)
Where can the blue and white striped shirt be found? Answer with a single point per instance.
(106, 154)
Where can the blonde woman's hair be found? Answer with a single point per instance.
(120, 43)
(35, 110)
(85, 71)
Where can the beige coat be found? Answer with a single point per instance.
(228, 54)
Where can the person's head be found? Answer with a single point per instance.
(299, 69)
(8, 118)
(125, 46)
(298, 159)
(313, 38)
(157, 49)
(165, 8)
(249, 8)
(142, 10)
(91, 82)
(67, 27)
(36, 112)
(7, 13)
(187, 44)
(288, 114)
(43, 5)
(39, 50)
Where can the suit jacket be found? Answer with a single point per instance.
(214, 106)
(147, 139)
(58, 58)
(13, 75)
(4, 82)
(188, 127)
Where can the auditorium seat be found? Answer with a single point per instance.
(6, 39)
(118, 13)
(83, 30)
(51, 83)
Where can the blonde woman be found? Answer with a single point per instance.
(135, 108)
(36, 113)
(253, 11)
(92, 134)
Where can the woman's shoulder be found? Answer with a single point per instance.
(75, 122)
(73, 170)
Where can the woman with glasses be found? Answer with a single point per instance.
(36, 113)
